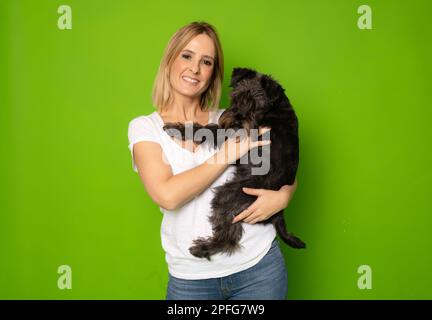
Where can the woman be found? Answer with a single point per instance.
(179, 177)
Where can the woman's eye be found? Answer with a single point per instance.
(207, 62)
(186, 56)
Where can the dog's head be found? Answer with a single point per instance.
(252, 95)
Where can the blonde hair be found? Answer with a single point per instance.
(210, 98)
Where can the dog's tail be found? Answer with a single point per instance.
(287, 237)
(225, 239)
(205, 248)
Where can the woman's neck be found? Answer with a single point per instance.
(184, 109)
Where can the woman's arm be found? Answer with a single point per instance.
(167, 190)
(268, 203)
(172, 191)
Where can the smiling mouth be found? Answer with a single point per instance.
(190, 80)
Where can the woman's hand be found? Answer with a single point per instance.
(234, 148)
(268, 203)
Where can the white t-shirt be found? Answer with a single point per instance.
(181, 226)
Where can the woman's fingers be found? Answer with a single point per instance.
(259, 143)
(255, 221)
(247, 212)
(235, 147)
(263, 130)
(254, 217)
(248, 217)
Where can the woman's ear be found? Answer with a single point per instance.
(239, 74)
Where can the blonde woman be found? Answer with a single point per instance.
(179, 177)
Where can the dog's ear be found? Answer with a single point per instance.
(272, 88)
(239, 74)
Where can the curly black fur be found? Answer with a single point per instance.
(256, 100)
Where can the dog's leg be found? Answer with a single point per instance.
(180, 131)
(207, 135)
(197, 132)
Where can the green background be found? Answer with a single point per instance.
(69, 195)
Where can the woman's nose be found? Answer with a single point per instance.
(194, 68)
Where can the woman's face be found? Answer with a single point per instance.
(192, 69)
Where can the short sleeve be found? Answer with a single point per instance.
(218, 114)
(141, 129)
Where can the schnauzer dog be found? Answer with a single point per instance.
(257, 100)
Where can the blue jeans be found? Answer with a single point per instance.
(265, 280)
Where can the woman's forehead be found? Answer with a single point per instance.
(202, 45)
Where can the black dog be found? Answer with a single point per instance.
(256, 101)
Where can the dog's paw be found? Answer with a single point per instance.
(175, 130)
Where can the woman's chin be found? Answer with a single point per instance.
(190, 93)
